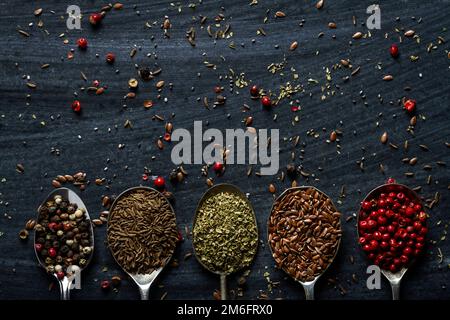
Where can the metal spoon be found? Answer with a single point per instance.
(143, 281)
(393, 278)
(223, 187)
(308, 286)
(65, 283)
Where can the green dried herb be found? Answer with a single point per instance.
(225, 235)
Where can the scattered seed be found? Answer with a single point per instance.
(384, 138)
(388, 77)
(357, 35)
(293, 46)
(409, 33)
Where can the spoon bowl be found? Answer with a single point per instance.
(143, 281)
(308, 286)
(214, 190)
(394, 278)
(65, 284)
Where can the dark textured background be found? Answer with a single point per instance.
(24, 140)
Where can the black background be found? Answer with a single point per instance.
(23, 139)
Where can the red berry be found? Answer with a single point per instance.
(363, 224)
(422, 216)
(52, 252)
(265, 101)
(404, 259)
(393, 268)
(218, 166)
(76, 106)
(382, 203)
(366, 205)
(159, 182)
(373, 245)
(254, 90)
(371, 224)
(393, 50)
(410, 105)
(105, 285)
(367, 247)
(407, 251)
(381, 221)
(410, 211)
(390, 181)
(60, 275)
(95, 18)
(423, 231)
(82, 43)
(377, 235)
(110, 58)
(384, 244)
(362, 240)
(95, 83)
(390, 228)
(38, 247)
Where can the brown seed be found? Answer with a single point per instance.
(293, 46)
(100, 91)
(280, 14)
(56, 184)
(118, 6)
(333, 136)
(133, 83)
(332, 25)
(248, 121)
(357, 35)
(160, 144)
(31, 85)
(166, 24)
(23, 234)
(209, 182)
(216, 295)
(97, 222)
(115, 281)
(413, 121)
(423, 147)
(20, 168)
(413, 161)
(61, 178)
(384, 138)
(409, 33)
(38, 12)
(106, 201)
(345, 63)
(272, 188)
(160, 84)
(319, 4)
(388, 77)
(130, 95)
(148, 104)
(169, 127)
(98, 181)
(30, 224)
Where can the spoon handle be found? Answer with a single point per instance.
(144, 291)
(309, 291)
(223, 287)
(395, 285)
(64, 288)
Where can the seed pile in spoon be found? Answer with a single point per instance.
(304, 233)
(63, 235)
(225, 235)
(142, 231)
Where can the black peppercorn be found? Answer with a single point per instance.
(70, 235)
(70, 209)
(291, 170)
(70, 254)
(145, 74)
(64, 249)
(173, 176)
